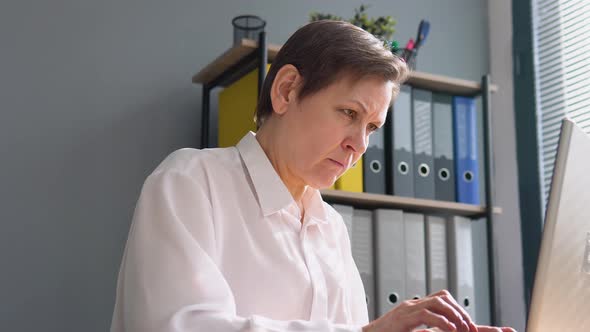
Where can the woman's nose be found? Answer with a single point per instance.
(357, 142)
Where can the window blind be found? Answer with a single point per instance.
(561, 39)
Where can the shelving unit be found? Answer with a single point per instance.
(250, 54)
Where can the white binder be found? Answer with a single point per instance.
(415, 256)
(461, 279)
(481, 274)
(390, 262)
(436, 254)
(346, 212)
(362, 252)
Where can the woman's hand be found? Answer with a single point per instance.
(439, 310)
(480, 328)
(494, 329)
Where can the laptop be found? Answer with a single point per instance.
(561, 292)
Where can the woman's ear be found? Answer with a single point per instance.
(284, 90)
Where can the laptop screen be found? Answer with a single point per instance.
(561, 292)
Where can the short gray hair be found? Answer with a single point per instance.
(326, 50)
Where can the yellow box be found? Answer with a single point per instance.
(237, 106)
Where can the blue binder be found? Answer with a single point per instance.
(466, 163)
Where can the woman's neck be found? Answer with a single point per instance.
(271, 143)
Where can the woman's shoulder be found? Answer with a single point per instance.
(197, 162)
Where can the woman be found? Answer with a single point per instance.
(240, 239)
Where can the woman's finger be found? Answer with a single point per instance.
(426, 317)
(481, 328)
(447, 297)
(440, 306)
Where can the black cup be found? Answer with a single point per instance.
(247, 27)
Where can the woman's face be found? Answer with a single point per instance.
(329, 130)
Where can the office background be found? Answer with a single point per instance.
(94, 94)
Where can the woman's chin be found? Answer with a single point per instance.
(323, 183)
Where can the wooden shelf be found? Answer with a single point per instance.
(230, 58)
(445, 84)
(416, 78)
(371, 201)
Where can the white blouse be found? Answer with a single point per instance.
(217, 244)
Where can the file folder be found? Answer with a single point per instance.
(415, 255)
(436, 254)
(352, 180)
(466, 155)
(347, 213)
(401, 173)
(422, 140)
(237, 105)
(444, 166)
(461, 277)
(390, 261)
(362, 252)
(374, 164)
(481, 272)
(480, 149)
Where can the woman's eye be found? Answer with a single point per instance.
(349, 113)
(372, 127)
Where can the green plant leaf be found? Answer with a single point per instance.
(382, 27)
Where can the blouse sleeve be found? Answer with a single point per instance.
(169, 280)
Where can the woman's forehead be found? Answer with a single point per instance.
(356, 84)
(370, 92)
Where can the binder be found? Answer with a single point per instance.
(352, 180)
(422, 140)
(461, 277)
(237, 105)
(390, 261)
(466, 163)
(481, 272)
(480, 147)
(401, 174)
(374, 164)
(444, 167)
(436, 254)
(415, 255)
(347, 214)
(362, 252)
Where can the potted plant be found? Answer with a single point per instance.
(381, 27)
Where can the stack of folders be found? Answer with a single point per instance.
(427, 149)
(403, 256)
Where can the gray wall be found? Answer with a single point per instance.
(94, 94)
